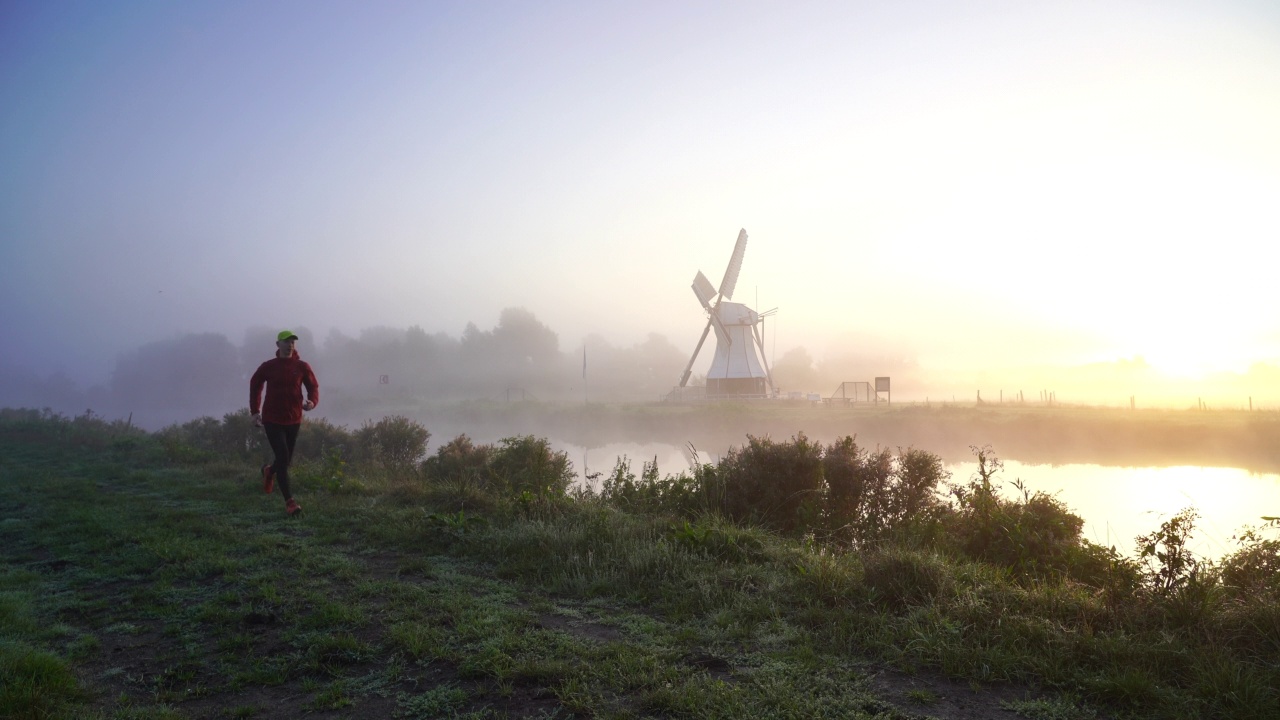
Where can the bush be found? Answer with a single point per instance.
(1184, 588)
(857, 488)
(526, 464)
(234, 437)
(779, 485)
(673, 494)
(321, 439)
(1118, 577)
(1168, 564)
(914, 497)
(1253, 571)
(394, 443)
(1034, 536)
(460, 463)
(874, 496)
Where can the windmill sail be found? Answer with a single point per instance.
(735, 266)
(702, 288)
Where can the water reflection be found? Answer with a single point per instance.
(1120, 503)
(1117, 503)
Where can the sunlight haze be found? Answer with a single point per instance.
(981, 190)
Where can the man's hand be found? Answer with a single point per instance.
(307, 405)
(257, 419)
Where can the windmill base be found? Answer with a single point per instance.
(737, 387)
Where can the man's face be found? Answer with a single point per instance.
(286, 346)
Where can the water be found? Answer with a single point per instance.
(1120, 503)
(1117, 503)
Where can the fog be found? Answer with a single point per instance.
(465, 197)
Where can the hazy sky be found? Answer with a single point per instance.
(978, 184)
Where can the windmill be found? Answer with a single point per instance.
(736, 370)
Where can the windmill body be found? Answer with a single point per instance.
(736, 368)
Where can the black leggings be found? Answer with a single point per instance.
(282, 439)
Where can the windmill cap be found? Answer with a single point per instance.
(286, 335)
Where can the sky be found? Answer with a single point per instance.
(970, 184)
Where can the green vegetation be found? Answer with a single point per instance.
(146, 576)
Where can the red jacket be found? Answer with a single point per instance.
(284, 378)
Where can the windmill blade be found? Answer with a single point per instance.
(703, 289)
(684, 378)
(735, 266)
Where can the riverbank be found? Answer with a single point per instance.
(1030, 434)
(148, 576)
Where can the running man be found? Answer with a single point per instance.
(281, 414)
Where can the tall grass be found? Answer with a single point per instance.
(793, 548)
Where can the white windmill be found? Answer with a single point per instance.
(736, 370)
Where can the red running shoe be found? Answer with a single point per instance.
(292, 507)
(268, 479)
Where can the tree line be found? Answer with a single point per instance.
(199, 374)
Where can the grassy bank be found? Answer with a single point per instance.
(147, 576)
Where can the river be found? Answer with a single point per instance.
(1117, 503)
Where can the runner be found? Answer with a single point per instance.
(281, 414)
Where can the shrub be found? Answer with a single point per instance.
(1118, 577)
(235, 437)
(1253, 571)
(673, 494)
(776, 484)
(914, 495)
(460, 463)
(240, 438)
(857, 485)
(1168, 563)
(1034, 536)
(526, 464)
(1183, 586)
(873, 495)
(321, 439)
(395, 443)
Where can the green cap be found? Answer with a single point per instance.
(286, 335)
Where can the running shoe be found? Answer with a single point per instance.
(292, 507)
(268, 479)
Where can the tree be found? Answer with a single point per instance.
(178, 379)
(795, 371)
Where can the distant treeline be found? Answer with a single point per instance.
(200, 374)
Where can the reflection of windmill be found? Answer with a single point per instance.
(736, 370)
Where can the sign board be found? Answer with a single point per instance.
(882, 384)
(384, 379)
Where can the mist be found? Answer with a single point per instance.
(382, 370)
(980, 199)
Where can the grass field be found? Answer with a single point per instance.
(146, 576)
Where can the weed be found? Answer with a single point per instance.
(441, 701)
(455, 524)
(1060, 708)
(922, 696)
